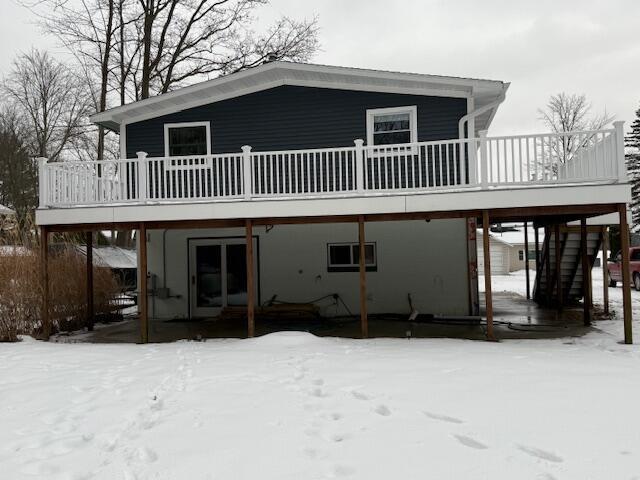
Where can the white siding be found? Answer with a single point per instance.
(425, 259)
(499, 257)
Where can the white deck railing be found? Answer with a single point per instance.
(480, 163)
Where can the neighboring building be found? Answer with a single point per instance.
(7, 221)
(123, 262)
(508, 249)
(310, 162)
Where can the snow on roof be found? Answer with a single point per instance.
(516, 237)
(113, 257)
(5, 210)
(8, 250)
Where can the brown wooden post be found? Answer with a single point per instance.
(251, 325)
(143, 300)
(547, 263)
(90, 308)
(44, 274)
(585, 273)
(626, 275)
(558, 274)
(605, 271)
(488, 298)
(526, 259)
(537, 247)
(364, 321)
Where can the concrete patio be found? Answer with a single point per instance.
(515, 317)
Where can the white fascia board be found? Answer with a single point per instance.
(363, 72)
(172, 108)
(411, 203)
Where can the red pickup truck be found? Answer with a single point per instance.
(615, 271)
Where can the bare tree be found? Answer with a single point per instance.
(570, 113)
(147, 47)
(133, 49)
(52, 101)
(91, 30)
(184, 41)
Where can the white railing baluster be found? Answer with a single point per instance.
(542, 159)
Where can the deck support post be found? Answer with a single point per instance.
(558, 266)
(605, 271)
(526, 259)
(143, 299)
(90, 306)
(537, 247)
(586, 290)
(251, 323)
(547, 263)
(626, 275)
(44, 278)
(364, 322)
(487, 275)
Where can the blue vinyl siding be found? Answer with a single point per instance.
(291, 117)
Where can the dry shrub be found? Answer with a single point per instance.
(20, 293)
(68, 290)
(21, 290)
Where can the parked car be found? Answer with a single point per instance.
(615, 271)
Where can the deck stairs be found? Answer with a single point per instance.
(545, 290)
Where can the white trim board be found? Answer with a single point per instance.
(167, 126)
(412, 110)
(278, 73)
(429, 202)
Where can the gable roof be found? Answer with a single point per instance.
(112, 257)
(514, 238)
(274, 74)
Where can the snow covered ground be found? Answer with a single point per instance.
(294, 406)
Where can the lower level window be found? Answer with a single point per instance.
(345, 257)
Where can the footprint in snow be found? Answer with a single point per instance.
(443, 418)
(382, 410)
(318, 381)
(317, 392)
(546, 476)
(359, 395)
(310, 452)
(470, 442)
(339, 437)
(541, 454)
(146, 455)
(343, 471)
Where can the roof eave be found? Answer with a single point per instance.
(408, 83)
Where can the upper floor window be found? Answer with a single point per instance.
(387, 126)
(193, 138)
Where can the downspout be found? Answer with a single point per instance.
(479, 111)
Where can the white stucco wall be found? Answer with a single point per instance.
(426, 259)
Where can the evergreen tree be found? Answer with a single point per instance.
(632, 142)
(18, 171)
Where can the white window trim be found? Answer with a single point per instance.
(167, 126)
(412, 110)
(355, 262)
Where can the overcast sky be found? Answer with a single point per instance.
(542, 47)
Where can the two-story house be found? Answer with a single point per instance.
(299, 181)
